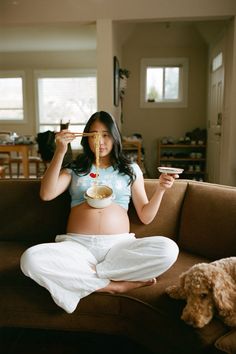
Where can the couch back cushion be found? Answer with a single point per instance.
(208, 222)
(25, 217)
(166, 222)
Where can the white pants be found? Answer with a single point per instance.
(77, 265)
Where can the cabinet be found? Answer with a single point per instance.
(190, 157)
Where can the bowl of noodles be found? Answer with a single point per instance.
(99, 196)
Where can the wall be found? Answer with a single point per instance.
(41, 60)
(231, 168)
(105, 65)
(164, 40)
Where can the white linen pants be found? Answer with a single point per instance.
(76, 265)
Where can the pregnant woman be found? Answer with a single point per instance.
(98, 252)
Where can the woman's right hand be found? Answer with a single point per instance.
(62, 139)
(55, 181)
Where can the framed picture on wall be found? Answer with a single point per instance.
(116, 82)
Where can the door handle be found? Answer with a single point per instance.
(219, 118)
(218, 134)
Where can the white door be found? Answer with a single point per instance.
(215, 122)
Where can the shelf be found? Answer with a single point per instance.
(135, 147)
(194, 173)
(188, 146)
(190, 157)
(181, 159)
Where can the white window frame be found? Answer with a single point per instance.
(22, 75)
(183, 82)
(53, 74)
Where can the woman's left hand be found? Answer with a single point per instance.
(166, 180)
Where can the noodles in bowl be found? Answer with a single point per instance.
(99, 196)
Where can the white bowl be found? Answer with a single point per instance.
(99, 196)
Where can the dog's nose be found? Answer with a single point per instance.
(191, 320)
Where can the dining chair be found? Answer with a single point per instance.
(9, 159)
(2, 171)
(5, 157)
(35, 161)
(38, 162)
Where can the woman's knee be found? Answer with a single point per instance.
(28, 261)
(170, 251)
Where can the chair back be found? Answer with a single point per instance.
(47, 146)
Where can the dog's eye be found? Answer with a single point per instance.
(203, 295)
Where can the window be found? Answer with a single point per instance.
(12, 97)
(164, 82)
(66, 97)
(217, 61)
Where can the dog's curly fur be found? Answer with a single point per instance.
(208, 288)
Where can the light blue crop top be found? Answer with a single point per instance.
(108, 176)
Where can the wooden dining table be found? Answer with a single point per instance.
(23, 150)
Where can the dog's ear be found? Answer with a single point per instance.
(177, 291)
(223, 294)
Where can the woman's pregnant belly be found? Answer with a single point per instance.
(84, 219)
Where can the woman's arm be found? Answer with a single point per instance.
(147, 209)
(55, 181)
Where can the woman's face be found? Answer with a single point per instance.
(106, 140)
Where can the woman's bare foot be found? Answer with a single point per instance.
(119, 287)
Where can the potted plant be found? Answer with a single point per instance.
(124, 75)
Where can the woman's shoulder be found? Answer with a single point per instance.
(67, 170)
(136, 169)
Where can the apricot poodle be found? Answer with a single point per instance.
(209, 289)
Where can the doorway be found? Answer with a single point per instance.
(215, 119)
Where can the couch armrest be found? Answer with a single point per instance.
(227, 342)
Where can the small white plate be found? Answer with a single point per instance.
(170, 170)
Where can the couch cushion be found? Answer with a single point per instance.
(25, 217)
(208, 220)
(227, 343)
(24, 303)
(166, 222)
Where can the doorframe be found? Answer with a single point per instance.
(213, 51)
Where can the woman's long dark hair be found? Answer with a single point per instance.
(83, 163)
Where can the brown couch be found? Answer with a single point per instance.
(199, 216)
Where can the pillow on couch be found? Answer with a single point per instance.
(227, 343)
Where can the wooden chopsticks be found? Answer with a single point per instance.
(85, 134)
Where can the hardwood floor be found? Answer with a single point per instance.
(30, 341)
